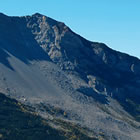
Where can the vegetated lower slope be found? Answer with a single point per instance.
(18, 121)
(44, 63)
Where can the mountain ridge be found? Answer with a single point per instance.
(43, 61)
(42, 15)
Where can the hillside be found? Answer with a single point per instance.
(21, 122)
(45, 65)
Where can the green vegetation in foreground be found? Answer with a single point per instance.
(18, 122)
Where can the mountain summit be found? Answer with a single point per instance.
(44, 63)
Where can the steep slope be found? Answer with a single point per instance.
(43, 62)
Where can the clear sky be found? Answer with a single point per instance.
(113, 22)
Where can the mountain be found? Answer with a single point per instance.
(61, 75)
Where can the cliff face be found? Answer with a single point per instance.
(43, 61)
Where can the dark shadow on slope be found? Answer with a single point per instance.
(132, 107)
(3, 59)
(91, 93)
(17, 40)
(130, 101)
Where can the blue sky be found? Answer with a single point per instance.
(113, 22)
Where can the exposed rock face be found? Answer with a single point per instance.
(89, 80)
(71, 52)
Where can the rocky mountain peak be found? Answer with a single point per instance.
(1, 14)
(37, 15)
